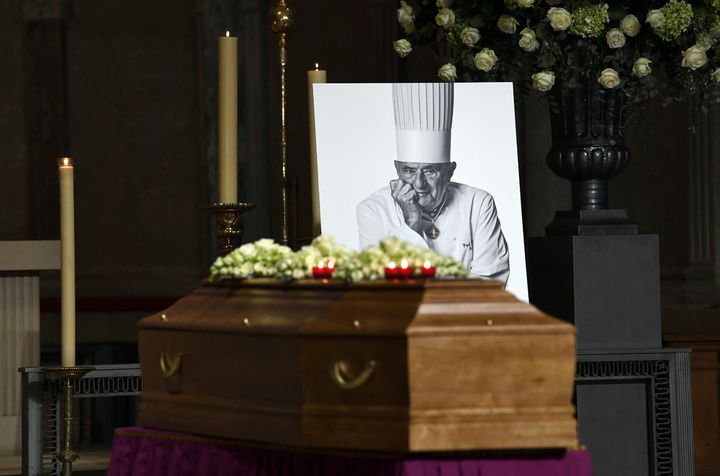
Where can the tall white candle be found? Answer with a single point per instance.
(227, 119)
(67, 261)
(314, 76)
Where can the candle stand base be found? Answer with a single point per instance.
(227, 229)
(67, 375)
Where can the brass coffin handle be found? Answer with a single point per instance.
(170, 363)
(338, 374)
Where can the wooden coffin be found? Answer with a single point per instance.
(398, 366)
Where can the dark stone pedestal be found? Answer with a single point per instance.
(633, 397)
(608, 286)
(591, 222)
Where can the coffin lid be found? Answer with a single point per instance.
(334, 307)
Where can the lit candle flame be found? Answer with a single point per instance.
(391, 265)
(65, 162)
(227, 33)
(317, 66)
(404, 264)
(321, 264)
(427, 264)
(331, 264)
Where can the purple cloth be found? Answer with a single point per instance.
(148, 452)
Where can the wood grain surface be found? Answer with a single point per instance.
(452, 365)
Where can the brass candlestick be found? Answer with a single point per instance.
(227, 217)
(281, 21)
(67, 375)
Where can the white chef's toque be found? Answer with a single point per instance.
(423, 120)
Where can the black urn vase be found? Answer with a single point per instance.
(588, 148)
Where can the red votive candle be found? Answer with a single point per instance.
(329, 269)
(318, 270)
(404, 271)
(391, 271)
(428, 270)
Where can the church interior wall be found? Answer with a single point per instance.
(140, 102)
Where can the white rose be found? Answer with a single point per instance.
(447, 72)
(528, 41)
(656, 18)
(630, 25)
(694, 57)
(615, 38)
(443, 3)
(469, 36)
(609, 78)
(406, 17)
(507, 24)
(704, 40)
(525, 3)
(543, 81)
(485, 60)
(402, 47)
(715, 75)
(642, 68)
(560, 19)
(445, 18)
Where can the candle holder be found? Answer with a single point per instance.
(318, 271)
(67, 375)
(428, 270)
(324, 269)
(227, 217)
(405, 271)
(391, 270)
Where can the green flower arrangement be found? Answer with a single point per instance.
(299, 265)
(563, 45)
(265, 258)
(251, 260)
(371, 263)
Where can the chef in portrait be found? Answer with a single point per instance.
(423, 206)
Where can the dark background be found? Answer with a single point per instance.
(129, 88)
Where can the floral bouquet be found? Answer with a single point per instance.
(371, 263)
(569, 44)
(300, 264)
(259, 259)
(265, 258)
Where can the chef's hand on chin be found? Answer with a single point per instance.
(405, 196)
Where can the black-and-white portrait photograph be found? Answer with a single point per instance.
(434, 164)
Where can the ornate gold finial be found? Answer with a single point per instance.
(282, 18)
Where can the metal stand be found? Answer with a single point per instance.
(67, 375)
(281, 21)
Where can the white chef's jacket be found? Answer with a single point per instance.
(469, 229)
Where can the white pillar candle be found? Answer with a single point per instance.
(227, 119)
(67, 261)
(314, 76)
